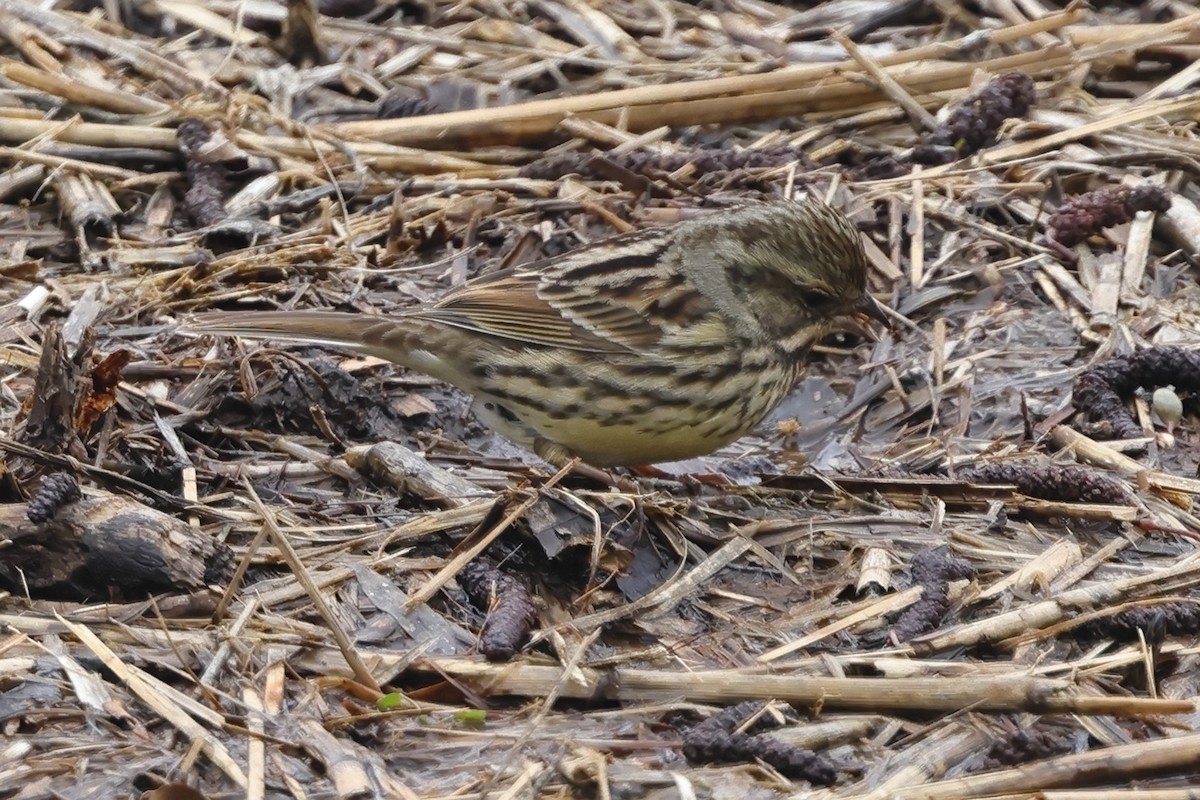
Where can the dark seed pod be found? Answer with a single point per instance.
(936, 565)
(1065, 483)
(346, 8)
(725, 159)
(1026, 744)
(1155, 622)
(932, 154)
(508, 605)
(880, 166)
(57, 490)
(923, 616)
(551, 168)
(204, 198)
(933, 569)
(715, 740)
(973, 124)
(1090, 213)
(398, 104)
(1101, 392)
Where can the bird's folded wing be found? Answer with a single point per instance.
(514, 308)
(619, 298)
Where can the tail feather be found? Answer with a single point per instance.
(358, 333)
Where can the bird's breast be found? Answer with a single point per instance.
(612, 411)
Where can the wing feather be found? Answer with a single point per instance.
(607, 298)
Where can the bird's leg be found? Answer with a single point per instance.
(559, 457)
(691, 484)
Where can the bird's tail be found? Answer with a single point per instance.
(359, 333)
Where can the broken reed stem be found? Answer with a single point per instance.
(1049, 612)
(1089, 451)
(1105, 764)
(741, 98)
(381, 156)
(985, 693)
(304, 578)
(75, 91)
(178, 709)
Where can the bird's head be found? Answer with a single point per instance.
(789, 269)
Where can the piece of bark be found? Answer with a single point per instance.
(411, 473)
(59, 388)
(106, 545)
(88, 205)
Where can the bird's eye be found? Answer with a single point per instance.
(815, 298)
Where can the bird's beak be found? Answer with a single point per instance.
(871, 309)
(860, 318)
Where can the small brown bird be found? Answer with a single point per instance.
(652, 346)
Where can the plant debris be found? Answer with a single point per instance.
(508, 605)
(932, 570)
(263, 588)
(1101, 392)
(704, 162)
(1026, 744)
(722, 739)
(1155, 622)
(1090, 213)
(91, 549)
(1064, 482)
(57, 490)
(975, 122)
